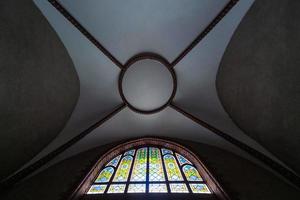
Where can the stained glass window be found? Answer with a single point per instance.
(105, 175)
(149, 170)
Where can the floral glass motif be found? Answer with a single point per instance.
(145, 170)
(191, 173)
(105, 175)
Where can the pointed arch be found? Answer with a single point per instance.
(149, 166)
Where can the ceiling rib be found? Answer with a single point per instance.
(33, 167)
(89, 36)
(210, 26)
(289, 175)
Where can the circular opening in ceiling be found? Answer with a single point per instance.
(147, 84)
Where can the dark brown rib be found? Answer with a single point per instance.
(33, 167)
(214, 22)
(283, 171)
(89, 36)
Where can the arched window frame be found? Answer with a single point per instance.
(81, 191)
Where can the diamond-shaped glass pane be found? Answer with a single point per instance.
(158, 188)
(139, 166)
(156, 172)
(178, 188)
(137, 188)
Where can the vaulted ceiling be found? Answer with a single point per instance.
(46, 119)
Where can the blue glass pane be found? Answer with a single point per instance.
(114, 162)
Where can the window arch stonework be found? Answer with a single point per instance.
(127, 169)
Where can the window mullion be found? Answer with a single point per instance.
(147, 170)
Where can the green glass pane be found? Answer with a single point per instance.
(129, 153)
(182, 160)
(178, 188)
(199, 188)
(97, 189)
(191, 173)
(105, 175)
(136, 188)
(173, 171)
(114, 162)
(116, 188)
(156, 172)
(123, 169)
(166, 151)
(158, 188)
(139, 166)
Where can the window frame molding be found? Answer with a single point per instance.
(88, 180)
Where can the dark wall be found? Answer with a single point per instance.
(240, 178)
(259, 77)
(39, 86)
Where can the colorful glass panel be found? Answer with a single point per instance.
(140, 165)
(178, 188)
(199, 188)
(114, 162)
(166, 151)
(105, 175)
(116, 188)
(137, 188)
(123, 169)
(158, 188)
(97, 189)
(129, 153)
(162, 163)
(173, 171)
(182, 160)
(191, 173)
(156, 172)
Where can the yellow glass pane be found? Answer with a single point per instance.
(139, 166)
(156, 172)
(123, 169)
(173, 171)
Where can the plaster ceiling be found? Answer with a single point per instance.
(127, 28)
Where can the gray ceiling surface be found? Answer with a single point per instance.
(33, 107)
(259, 84)
(126, 28)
